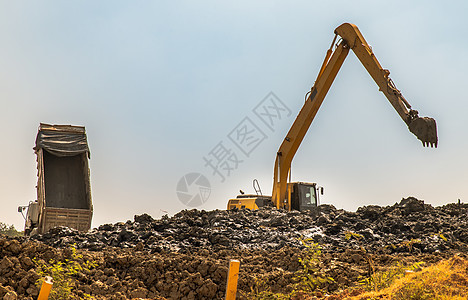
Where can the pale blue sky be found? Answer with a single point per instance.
(158, 84)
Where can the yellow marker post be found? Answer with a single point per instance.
(45, 288)
(233, 275)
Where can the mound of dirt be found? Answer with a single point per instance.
(408, 226)
(186, 256)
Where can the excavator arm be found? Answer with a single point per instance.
(351, 38)
(423, 127)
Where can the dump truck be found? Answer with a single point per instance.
(63, 181)
(304, 195)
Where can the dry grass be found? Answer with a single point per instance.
(447, 280)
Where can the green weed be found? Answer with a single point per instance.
(9, 230)
(310, 278)
(381, 280)
(63, 273)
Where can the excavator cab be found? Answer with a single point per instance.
(304, 195)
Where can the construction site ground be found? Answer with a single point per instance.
(187, 256)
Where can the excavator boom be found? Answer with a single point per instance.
(424, 128)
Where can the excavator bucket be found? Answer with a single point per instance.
(425, 129)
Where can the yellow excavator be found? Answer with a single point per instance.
(303, 195)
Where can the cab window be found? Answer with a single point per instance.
(308, 195)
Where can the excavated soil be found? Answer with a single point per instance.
(186, 256)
